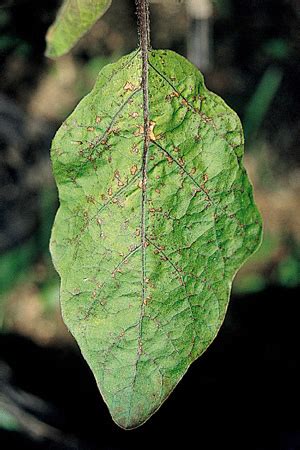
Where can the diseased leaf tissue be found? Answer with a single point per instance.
(144, 300)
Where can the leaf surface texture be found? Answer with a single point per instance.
(143, 313)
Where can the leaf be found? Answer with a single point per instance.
(143, 313)
(73, 20)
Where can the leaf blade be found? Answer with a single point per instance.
(73, 20)
(200, 215)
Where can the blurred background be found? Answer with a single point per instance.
(249, 52)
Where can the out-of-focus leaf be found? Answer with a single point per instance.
(261, 100)
(74, 19)
(289, 271)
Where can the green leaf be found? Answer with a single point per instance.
(73, 20)
(143, 313)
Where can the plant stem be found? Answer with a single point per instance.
(143, 27)
(143, 22)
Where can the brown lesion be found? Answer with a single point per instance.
(179, 161)
(124, 260)
(129, 87)
(189, 106)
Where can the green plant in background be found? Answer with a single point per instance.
(156, 216)
(74, 19)
(260, 101)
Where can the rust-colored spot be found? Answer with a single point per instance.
(184, 102)
(134, 115)
(90, 129)
(129, 87)
(157, 191)
(133, 170)
(147, 299)
(137, 232)
(109, 191)
(172, 95)
(135, 149)
(114, 131)
(90, 199)
(205, 177)
(98, 119)
(120, 183)
(204, 188)
(142, 184)
(193, 171)
(151, 133)
(139, 131)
